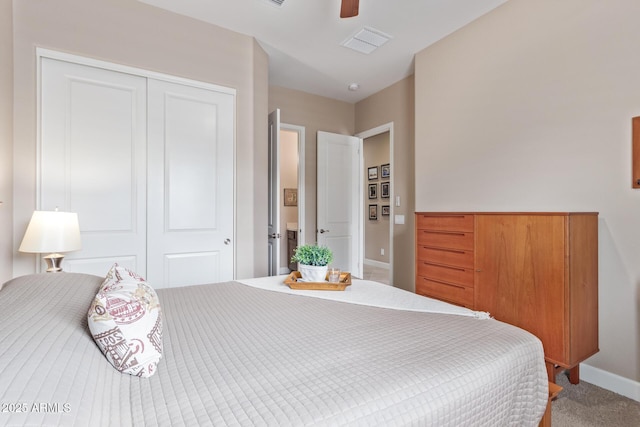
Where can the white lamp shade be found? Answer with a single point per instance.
(51, 231)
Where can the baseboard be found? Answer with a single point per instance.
(375, 263)
(284, 270)
(609, 381)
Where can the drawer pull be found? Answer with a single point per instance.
(443, 283)
(450, 267)
(450, 233)
(454, 251)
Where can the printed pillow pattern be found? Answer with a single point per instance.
(125, 320)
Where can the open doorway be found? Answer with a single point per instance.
(292, 193)
(377, 158)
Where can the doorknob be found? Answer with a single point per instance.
(322, 231)
(274, 235)
(227, 241)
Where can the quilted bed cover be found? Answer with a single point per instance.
(243, 355)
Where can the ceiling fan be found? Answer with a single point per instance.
(349, 8)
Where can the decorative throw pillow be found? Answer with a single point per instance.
(126, 322)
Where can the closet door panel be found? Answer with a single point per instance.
(191, 166)
(191, 182)
(93, 161)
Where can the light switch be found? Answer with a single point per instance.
(397, 201)
(399, 219)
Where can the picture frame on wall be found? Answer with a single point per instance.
(373, 191)
(385, 171)
(372, 172)
(386, 210)
(384, 190)
(373, 212)
(291, 197)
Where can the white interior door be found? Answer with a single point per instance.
(273, 215)
(191, 175)
(93, 161)
(339, 218)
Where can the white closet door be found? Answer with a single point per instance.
(93, 161)
(191, 185)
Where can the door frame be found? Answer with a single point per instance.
(387, 127)
(300, 130)
(274, 234)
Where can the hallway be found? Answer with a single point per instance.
(377, 274)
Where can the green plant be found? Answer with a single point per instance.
(312, 255)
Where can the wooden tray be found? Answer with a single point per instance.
(293, 283)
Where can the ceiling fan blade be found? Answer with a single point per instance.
(349, 8)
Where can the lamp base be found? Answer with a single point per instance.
(53, 262)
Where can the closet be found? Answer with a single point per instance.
(147, 162)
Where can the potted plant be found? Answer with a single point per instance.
(312, 262)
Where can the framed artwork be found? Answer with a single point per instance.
(385, 171)
(373, 172)
(386, 210)
(384, 190)
(373, 211)
(373, 191)
(291, 197)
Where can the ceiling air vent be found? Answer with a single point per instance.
(366, 40)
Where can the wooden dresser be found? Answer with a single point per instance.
(538, 271)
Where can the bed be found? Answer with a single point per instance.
(254, 352)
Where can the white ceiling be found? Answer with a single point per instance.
(303, 37)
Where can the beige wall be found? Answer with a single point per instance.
(256, 263)
(6, 138)
(529, 109)
(395, 104)
(376, 232)
(314, 113)
(131, 33)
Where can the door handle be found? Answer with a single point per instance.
(322, 231)
(227, 241)
(274, 235)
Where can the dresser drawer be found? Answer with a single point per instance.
(456, 257)
(456, 294)
(459, 275)
(450, 222)
(445, 239)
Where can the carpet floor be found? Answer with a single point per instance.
(587, 405)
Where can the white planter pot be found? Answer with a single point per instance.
(313, 273)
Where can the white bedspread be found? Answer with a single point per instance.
(238, 355)
(367, 292)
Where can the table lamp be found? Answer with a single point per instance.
(54, 232)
